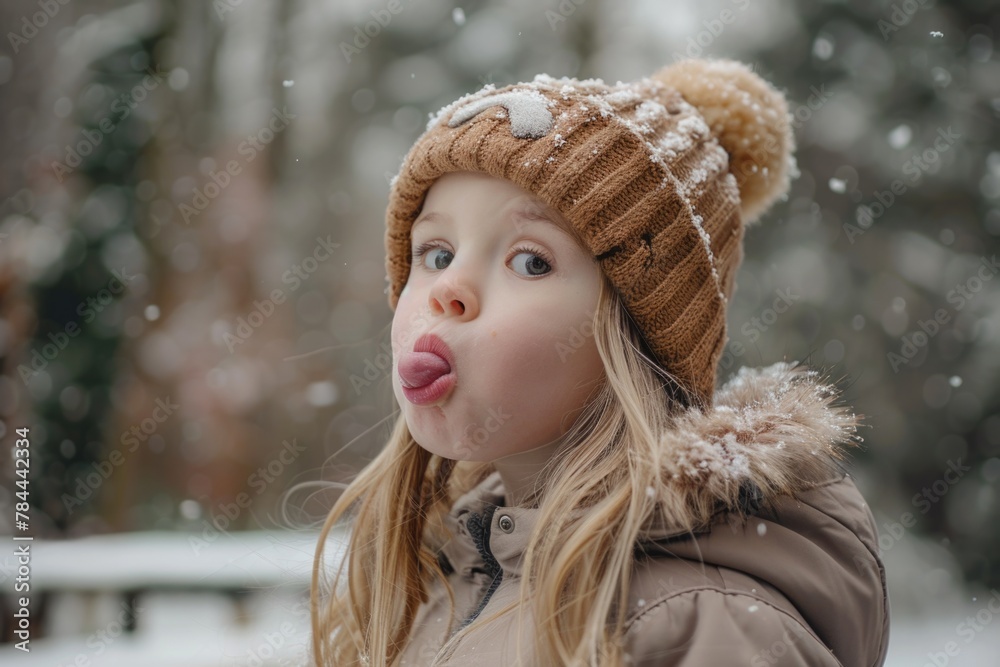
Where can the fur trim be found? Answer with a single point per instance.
(772, 431)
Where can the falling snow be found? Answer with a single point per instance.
(865, 137)
(900, 136)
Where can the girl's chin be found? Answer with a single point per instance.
(445, 453)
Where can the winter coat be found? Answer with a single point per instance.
(784, 579)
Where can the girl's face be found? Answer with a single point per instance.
(512, 296)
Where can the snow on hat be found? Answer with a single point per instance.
(658, 177)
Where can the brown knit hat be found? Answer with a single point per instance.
(659, 178)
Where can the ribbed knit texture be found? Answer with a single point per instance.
(639, 174)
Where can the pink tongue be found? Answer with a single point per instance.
(419, 369)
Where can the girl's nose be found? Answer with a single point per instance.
(454, 297)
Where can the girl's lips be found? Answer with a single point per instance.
(419, 369)
(431, 392)
(427, 372)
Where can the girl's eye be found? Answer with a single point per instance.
(536, 262)
(535, 265)
(427, 249)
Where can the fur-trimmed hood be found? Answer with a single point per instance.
(771, 432)
(762, 541)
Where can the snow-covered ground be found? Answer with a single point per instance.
(238, 598)
(182, 630)
(947, 638)
(188, 613)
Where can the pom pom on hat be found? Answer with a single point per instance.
(750, 120)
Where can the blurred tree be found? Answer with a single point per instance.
(70, 364)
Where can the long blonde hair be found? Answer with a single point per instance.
(576, 566)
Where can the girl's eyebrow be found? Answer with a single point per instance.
(431, 216)
(533, 214)
(522, 214)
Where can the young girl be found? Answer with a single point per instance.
(565, 485)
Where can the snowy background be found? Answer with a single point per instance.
(194, 328)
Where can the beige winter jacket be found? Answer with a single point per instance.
(792, 580)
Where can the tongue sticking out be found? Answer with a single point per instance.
(419, 369)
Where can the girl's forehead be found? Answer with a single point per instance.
(519, 207)
(519, 214)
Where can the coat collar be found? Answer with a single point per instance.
(771, 431)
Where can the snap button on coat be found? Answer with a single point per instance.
(506, 524)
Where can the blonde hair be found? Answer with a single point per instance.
(577, 565)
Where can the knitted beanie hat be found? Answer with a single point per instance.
(659, 177)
